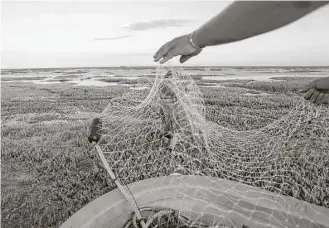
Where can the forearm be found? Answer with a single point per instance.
(243, 20)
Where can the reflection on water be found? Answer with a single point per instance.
(45, 82)
(257, 94)
(92, 82)
(139, 88)
(261, 76)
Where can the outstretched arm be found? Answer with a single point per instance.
(241, 20)
(245, 19)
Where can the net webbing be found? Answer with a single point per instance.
(160, 128)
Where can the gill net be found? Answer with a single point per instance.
(160, 128)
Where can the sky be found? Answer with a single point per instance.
(90, 34)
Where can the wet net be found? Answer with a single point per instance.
(160, 128)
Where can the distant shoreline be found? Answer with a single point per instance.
(147, 67)
(129, 76)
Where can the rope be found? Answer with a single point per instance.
(120, 186)
(157, 212)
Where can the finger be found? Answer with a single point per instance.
(307, 87)
(167, 57)
(325, 99)
(163, 51)
(314, 96)
(309, 94)
(184, 58)
(160, 50)
(320, 98)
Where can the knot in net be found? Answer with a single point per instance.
(160, 128)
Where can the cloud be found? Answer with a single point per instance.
(163, 23)
(112, 38)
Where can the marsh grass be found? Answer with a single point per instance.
(49, 170)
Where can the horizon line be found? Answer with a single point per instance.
(151, 66)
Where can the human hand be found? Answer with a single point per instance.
(317, 91)
(178, 46)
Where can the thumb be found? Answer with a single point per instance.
(184, 58)
(307, 87)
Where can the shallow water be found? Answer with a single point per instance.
(94, 76)
(262, 76)
(92, 82)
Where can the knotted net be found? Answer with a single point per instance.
(160, 128)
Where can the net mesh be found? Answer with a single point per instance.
(159, 128)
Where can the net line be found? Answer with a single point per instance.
(160, 128)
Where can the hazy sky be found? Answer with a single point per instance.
(69, 34)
